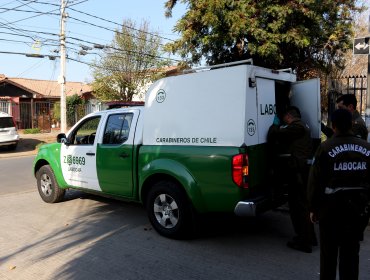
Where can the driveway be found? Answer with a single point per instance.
(28, 144)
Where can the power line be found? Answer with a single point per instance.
(28, 11)
(76, 19)
(119, 24)
(33, 16)
(16, 34)
(116, 31)
(89, 23)
(100, 18)
(33, 67)
(52, 4)
(52, 57)
(97, 45)
(45, 12)
(31, 31)
(18, 6)
(8, 3)
(110, 68)
(27, 43)
(7, 26)
(125, 51)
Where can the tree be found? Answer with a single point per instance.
(356, 65)
(338, 81)
(75, 109)
(129, 64)
(302, 35)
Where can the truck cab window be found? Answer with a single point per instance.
(85, 133)
(117, 129)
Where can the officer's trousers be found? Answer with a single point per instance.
(298, 207)
(341, 219)
(338, 247)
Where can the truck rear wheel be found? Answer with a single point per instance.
(169, 210)
(47, 185)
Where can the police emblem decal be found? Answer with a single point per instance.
(251, 127)
(161, 96)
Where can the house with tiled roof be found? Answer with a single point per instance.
(30, 101)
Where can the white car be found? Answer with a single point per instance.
(8, 131)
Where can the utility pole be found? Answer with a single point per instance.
(62, 76)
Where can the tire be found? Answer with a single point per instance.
(170, 211)
(47, 185)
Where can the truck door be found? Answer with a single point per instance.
(266, 107)
(306, 96)
(78, 158)
(115, 155)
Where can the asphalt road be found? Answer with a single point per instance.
(16, 174)
(88, 237)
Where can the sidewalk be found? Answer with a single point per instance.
(28, 144)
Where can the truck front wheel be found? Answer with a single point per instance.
(169, 210)
(47, 185)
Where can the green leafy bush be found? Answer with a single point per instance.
(32, 131)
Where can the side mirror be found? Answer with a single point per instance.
(62, 138)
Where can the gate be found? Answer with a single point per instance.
(42, 115)
(36, 116)
(356, 85)
(25, 115)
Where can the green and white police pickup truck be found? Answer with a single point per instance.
(197, 146)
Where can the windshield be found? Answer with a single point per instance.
(6, 122)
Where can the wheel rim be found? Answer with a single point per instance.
(166, 211)
(46, 184)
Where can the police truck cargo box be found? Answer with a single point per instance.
(197, 146)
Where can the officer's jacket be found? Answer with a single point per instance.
(294, 139)
(358, 126)
(340, 164)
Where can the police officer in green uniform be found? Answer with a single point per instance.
(338, 195)
(349, 102)
(293, 144)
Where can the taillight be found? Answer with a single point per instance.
(240, 170)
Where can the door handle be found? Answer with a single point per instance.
(124, 155)
(90, 154)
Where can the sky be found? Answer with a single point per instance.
(33, 27)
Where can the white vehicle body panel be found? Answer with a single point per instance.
(212, 108)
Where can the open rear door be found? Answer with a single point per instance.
(306, 96)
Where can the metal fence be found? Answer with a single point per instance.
(38, 114)
(356, 85)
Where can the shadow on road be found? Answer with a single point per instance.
(90, 237)
(24, 145)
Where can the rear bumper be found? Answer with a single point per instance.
(7, 143)
(246, 209)
(252, 207)
(6, 140)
